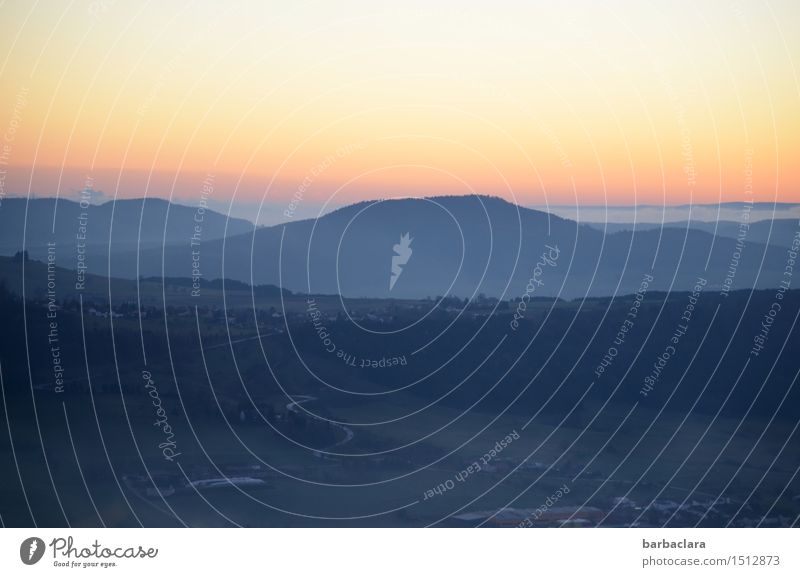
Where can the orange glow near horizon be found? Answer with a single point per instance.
(615, 104)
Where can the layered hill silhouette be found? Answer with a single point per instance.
(778, 232)
(460, 245)
(121, 225)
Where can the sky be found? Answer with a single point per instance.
(316, 102)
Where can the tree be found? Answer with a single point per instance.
(21, 255)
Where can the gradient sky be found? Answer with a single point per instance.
(542, 102)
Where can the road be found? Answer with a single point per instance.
(301, 399)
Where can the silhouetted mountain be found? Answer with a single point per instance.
(777, 232)
(121, 225)
(463, 246)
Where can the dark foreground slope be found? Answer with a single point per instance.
(353, 417)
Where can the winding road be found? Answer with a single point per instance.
(348, 432)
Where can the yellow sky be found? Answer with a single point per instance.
(590, 102)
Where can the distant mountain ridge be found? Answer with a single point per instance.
(778, 232)
(460, 245)
(114, 226)
(467, 245)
